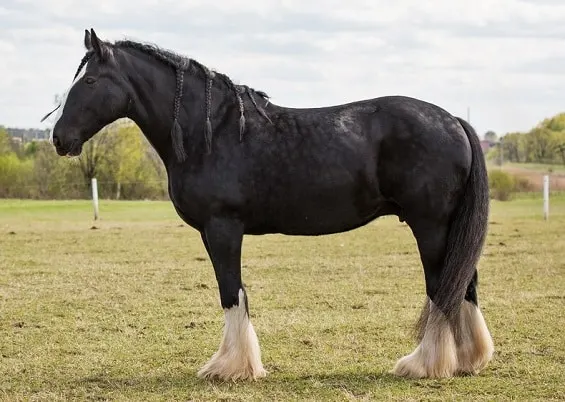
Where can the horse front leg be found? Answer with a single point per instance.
(239, 355)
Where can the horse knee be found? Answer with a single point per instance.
(230, 293)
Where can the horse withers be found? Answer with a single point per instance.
(238, 165)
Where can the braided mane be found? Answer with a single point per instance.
(183, 64)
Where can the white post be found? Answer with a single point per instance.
(546, 197)
(95, 197)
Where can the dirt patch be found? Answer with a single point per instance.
(556, 180)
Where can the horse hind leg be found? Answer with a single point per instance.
(462, 345)
(474, 342)
(436, 354)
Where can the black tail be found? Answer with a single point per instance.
(467, 233)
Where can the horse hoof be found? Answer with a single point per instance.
(475, 347)
(222, 370)
(414, 366)
(435, 356)
(409, 367)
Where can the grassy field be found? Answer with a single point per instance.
(127, 308)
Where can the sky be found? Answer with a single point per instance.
(503, 60)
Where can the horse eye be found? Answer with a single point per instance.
(90, 80)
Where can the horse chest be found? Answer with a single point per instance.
(187, 209)
(197, 197)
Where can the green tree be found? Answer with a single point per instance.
(544, 141)
(44, 171)
(555, 123)
(513, 147)
(14, 176)
(491, 136)
(560, 149)
(558, 146)
(30, 149)
(5, 147)
(128, 155)
(540, 145)
(95, 153)
(136, 170)
(55, 177)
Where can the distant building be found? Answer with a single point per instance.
(24, 135)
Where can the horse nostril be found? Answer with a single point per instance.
(56, 141)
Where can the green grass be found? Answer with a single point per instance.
(130, 310)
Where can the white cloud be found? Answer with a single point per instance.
(505, 59)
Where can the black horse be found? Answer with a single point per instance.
(238, 164)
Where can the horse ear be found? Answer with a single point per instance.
(87, 40)
(100, 48)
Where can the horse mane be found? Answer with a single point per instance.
(183, 64)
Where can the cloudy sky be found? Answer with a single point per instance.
(505, 59)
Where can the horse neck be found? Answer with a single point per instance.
(153, 85)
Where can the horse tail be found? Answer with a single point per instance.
(467, 233)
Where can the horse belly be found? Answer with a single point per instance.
(332, 214)
(323, 206)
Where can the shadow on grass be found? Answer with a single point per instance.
(276, 384)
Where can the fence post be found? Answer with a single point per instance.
(546, 197)
(95, 198)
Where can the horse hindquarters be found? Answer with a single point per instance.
(453, 336)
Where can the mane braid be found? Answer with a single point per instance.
(208, 112)
(84, 60)
(259, 108)
(232, 86)
(176, 131)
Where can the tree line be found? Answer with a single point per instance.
(545, 143)
(123, 162)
